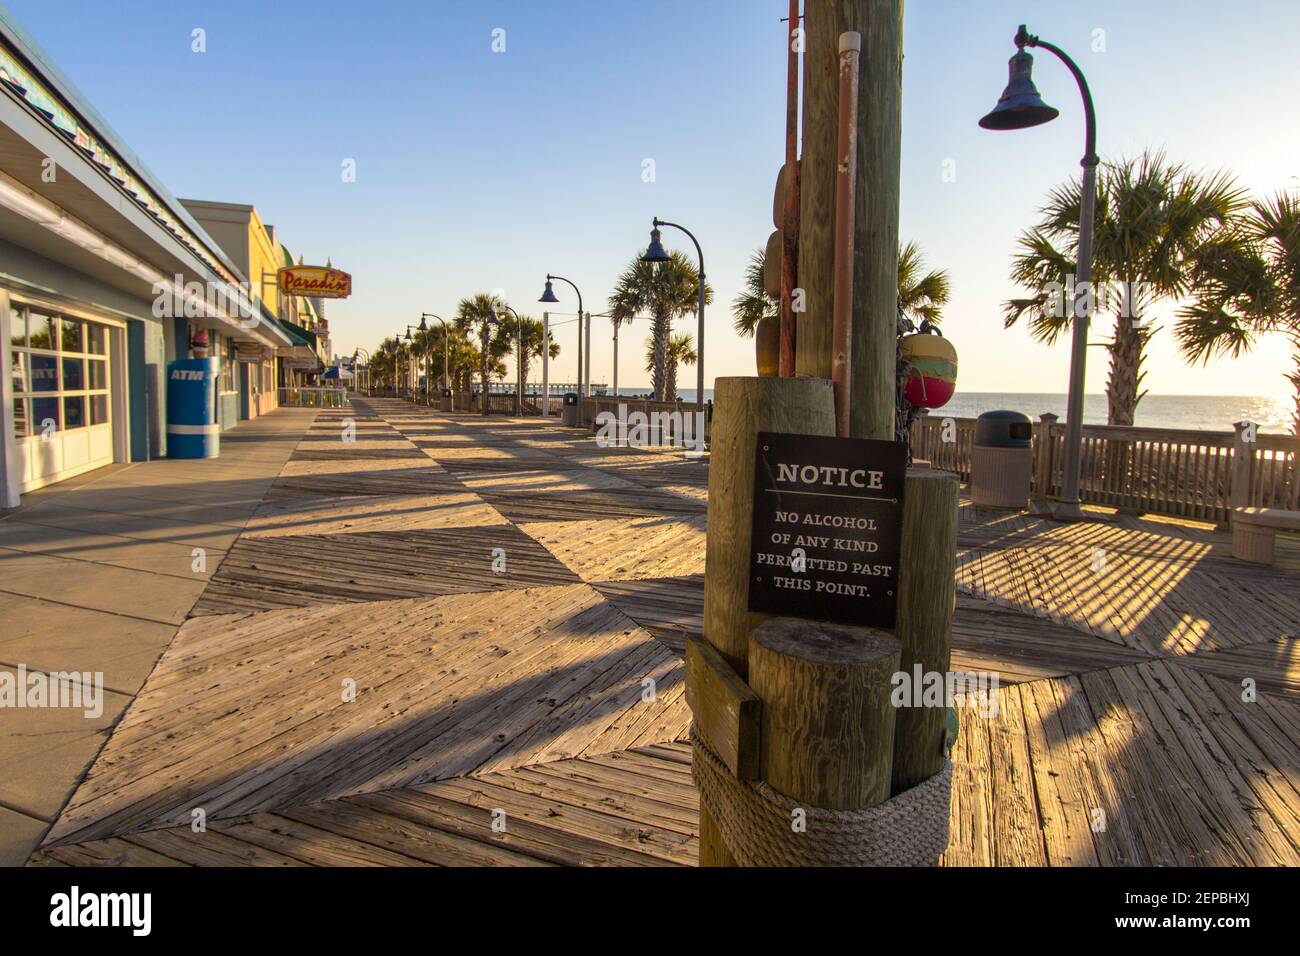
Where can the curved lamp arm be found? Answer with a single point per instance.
(1025, 38)
(572, 286)
(698, 251)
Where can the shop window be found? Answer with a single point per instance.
(59, 373)
(228, 365)
(22, 427)
(72, 336)
(45, 373)
(74, 378)
(17, 327)
(74, 411)
(40, 332)
(45, 415)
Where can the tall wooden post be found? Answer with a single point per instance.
(927, 596)
(1243, 464)
(829, 735)
(789, 219)
(875, 280)
(1043, 462)
(743, 407)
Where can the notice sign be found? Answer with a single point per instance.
(828, 515)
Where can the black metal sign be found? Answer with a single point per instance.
(828, 515)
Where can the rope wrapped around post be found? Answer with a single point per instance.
(910, 829)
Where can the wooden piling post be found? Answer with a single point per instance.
(927, 596)
(875, 277)
(846, 169)
(827, 727)
(1243, 466)
(743, 408)
(1043, 462)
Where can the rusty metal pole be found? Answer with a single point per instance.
(846, 159)
(790, 232)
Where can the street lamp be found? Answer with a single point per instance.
(1020, 108)
(519, 353)
(356, 353)
(655, 252)
(548, 296)
(410, 365)
(445, 349)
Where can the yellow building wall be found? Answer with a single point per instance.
(263, 263)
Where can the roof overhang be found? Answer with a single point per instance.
(90, 221)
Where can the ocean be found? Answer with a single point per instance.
(1204, 412)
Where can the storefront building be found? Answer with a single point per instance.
(249, 370)
(103, 277)
(255, 248)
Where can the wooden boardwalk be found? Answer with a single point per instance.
(458, 641)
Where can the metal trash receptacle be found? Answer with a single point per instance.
(1002, 460)
(444, 402)
(571, 414)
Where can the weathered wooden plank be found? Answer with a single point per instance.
(726, 711)
(429, 844)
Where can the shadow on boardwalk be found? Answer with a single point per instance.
(1121, 735)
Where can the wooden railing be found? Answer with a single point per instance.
(944, 442)
(297, 397)
(1194, 474)
(666, 430)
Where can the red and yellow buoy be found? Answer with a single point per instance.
(933, 376)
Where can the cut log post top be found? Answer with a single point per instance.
(827, 725)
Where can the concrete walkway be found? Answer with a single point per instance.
(96, 574)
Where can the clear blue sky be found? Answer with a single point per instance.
(480, 171)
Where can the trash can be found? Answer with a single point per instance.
(1002, 460)
(444, 404)
(571, 409)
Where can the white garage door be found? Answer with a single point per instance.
(61, 394)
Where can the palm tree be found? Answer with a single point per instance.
(383, 363)
(680, 351)
(475, 314)
(1154, 220)
(507, 335)
(753, 304)
(667, 290)
(920, 295)
(423, 346)
(464, 363)
(1249, 286)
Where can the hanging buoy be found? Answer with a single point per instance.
(933, 362)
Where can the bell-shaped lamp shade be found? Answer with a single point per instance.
(493, 318)
(549, 294)
(1020, 106)
(408, 331)
(424, 326)
(655, 252)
